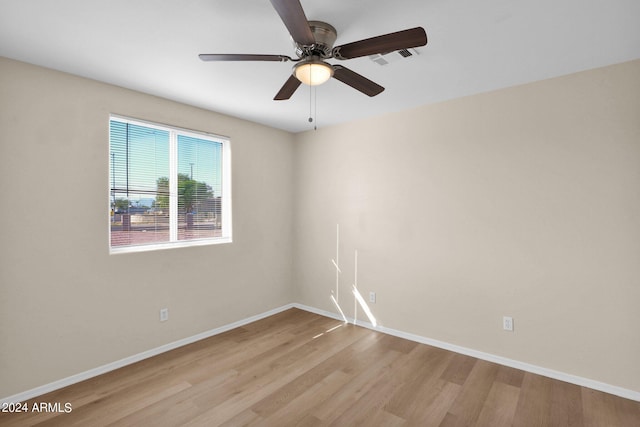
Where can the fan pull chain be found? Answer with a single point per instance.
(310, 94)
(313, 111)
(313, 100)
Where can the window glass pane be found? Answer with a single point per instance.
(139, 173)
(199, 188)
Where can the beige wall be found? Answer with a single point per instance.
(522, 202)
(66, 305)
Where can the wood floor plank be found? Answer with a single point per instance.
(299, 368)
(459, 369)
(318, 374)
(434, 413)
(476, 389)
(345, 398)
(311, 421)
(181, 406)
(117, 406)
(500, 407)
(362, 379)
(296, 408)
(420, 374)
(602, 409)
(566, 404)
(534, 404)
(165, 415)
(382, 418)
(510, 376)
(244, 418)
(372, 401)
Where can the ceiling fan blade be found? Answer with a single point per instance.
(241, 57)
(404, 39)
(356, 81)
(287, 89)
(295, 20)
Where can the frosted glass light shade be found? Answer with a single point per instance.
(313, 73)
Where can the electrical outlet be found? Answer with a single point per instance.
(372, 297)
(164, 314)
(507, 323)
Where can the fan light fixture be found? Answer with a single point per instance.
(313, 71)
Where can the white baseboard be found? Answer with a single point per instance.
(584, 382)
(550, 373)
(56, 385)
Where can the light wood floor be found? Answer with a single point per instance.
(298, 368)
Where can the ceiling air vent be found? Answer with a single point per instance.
(388, 58)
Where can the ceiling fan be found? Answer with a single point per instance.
(314, 44)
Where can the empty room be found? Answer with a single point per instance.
(298, 212)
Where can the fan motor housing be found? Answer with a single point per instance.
(325, 36)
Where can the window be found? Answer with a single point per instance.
(168, 187)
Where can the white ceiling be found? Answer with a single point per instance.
(474, 46)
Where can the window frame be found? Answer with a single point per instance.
(226, 208)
